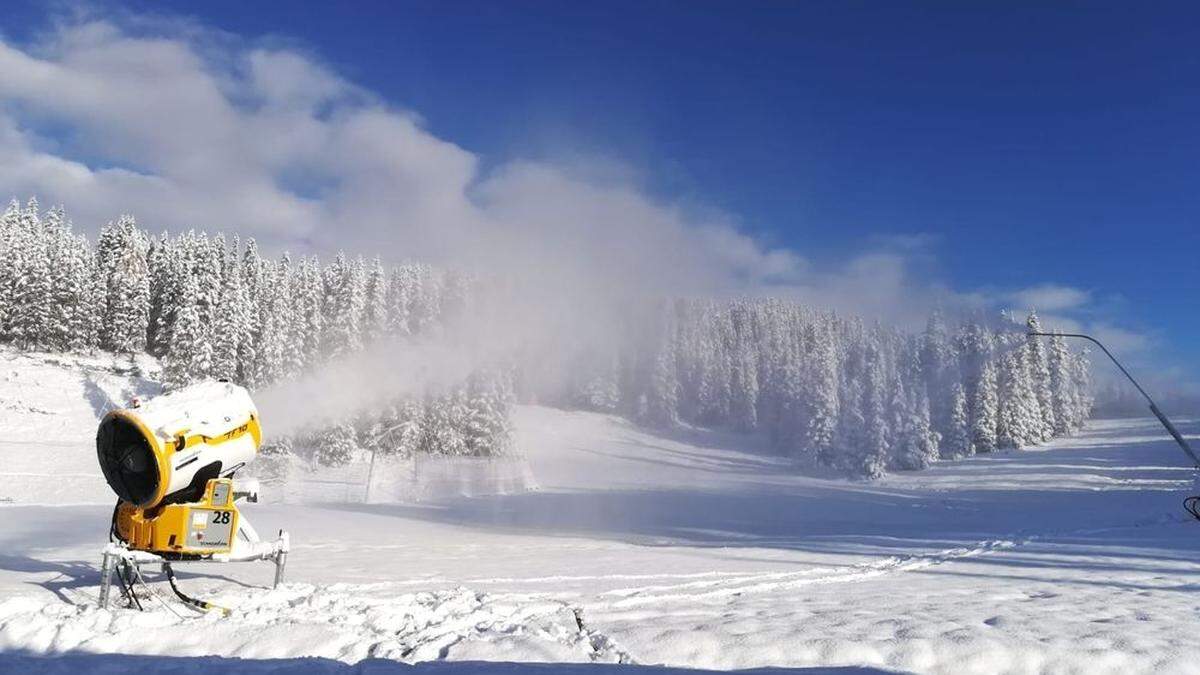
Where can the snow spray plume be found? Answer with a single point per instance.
(362, 381)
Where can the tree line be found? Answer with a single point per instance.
(826, 389)
(836, 392)
(208, 307)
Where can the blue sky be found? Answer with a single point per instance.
(1002, 147)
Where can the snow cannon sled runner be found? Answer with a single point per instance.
(171, 462)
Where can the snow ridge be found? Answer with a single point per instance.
(349, 623)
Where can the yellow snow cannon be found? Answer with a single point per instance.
(171, 462)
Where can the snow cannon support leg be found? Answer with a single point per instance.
(280, 562)
(114, 555)
(106, 572)
(248, 548)
(281, 554)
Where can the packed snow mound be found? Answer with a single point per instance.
(345, 622)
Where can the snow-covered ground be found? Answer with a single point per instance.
(686, 549)
(49, 407)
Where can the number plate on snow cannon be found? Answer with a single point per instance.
(201, 528)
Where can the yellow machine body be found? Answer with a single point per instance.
(200, 528)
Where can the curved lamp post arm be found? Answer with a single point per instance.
(1153, 407)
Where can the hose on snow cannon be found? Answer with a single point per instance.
(1192, 504)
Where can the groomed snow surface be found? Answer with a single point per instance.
(641, 551)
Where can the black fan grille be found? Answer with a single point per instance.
(128, 462)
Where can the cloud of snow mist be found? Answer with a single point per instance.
(187, 127)
(363, 381)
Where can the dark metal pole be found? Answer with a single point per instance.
(1153, 407)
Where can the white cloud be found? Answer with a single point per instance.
(1120, 340)
(271, 143)
(1049, 298)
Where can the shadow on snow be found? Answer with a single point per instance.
(118, 664)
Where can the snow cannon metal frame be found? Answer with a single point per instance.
(171, 463)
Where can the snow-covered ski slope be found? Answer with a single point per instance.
(49, 407)
(684, 549)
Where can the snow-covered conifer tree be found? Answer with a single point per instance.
(400, 286)
(442, 424)
(986, 409)
(127, 281)
(166, 282)
(1081, 406)
(189, 355)
(208, 263)
(344, 303)
(425, 307)
(957, 442)
(788, 416)
(65, 284)
(598, 387)
(274, 325)
(88, 307)
(375, 316)
(821, 386)
(11, 252)
(230, 326)
(918, 445)
(1039, 372)
(401, 422)
(309, 320)
(487, 431)
(938, 369)
(871, 460)
(252, 287)
(1059, 366)
(714, 385)
(290, 325)
(1018, 420)
(851, 433)
(743, 370)
(30, 315)
(336, 445)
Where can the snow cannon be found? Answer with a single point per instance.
(171, 461)
(166, 451)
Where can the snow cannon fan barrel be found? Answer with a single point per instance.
(171, 462)
(166, 450)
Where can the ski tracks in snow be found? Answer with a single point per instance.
(721, 586)
(709, 590)
(718, 586)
